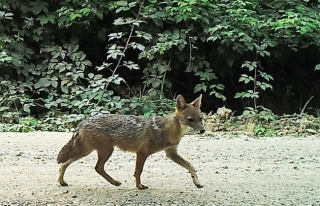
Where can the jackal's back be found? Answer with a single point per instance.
(121, 125)
(128, 132)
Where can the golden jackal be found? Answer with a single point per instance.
(139, 134)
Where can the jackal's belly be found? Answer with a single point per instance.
(140, 139)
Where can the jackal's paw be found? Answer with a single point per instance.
(198, 185)
(116, 183)
(142, 187)
(63, 183)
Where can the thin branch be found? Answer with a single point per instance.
(305, 105)
(163, 79)
(255, 82)
(125, 48)
(190, 52)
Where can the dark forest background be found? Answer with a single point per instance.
(78, 58)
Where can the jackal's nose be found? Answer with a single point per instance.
(202, 131)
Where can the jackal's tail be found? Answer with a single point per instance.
(67, 150)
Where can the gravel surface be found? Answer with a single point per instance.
(235, 171)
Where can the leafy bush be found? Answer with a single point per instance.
(60, 59)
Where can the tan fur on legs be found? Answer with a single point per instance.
(62, 170)
(140, 160)
(103, 156)
(78, 151)
(174, 156)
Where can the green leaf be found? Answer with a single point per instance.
(43, 20)
(29, 51)
(220, 86)
(36, 9)
(220, 96)
(4, 108)
(54, 84)
(47, 105)
(26, 108)
(122, 3)
(85, 11)
(204, 87)
(16, 62)
(51, 18)
(119, 21)
(251, 68)
(317, 67)
(181, 47)
(178, 18)
(132, 4)
(118, 80)
(266, 53)
(90, 75)
(203, 38)
(137, 46)
(147, 36)
(64, 89)
(24, 9)
(158, 22)
(73, 16)
(241, 79)
(197, 88)
(238, 95)
(43, 82)
(24, 72)
(99, 15)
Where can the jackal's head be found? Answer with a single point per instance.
(189, 114)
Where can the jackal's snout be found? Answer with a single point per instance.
(196, 123)
(201, 128)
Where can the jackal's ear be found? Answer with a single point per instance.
(181, 103)
(197, 102)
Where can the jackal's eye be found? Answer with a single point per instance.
(190, 119)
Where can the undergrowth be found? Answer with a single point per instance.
(263, 122)
(12, 122)
(256, 123)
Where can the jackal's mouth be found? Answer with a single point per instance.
(201, 131)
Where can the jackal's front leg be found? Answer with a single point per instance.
(174, 156)
(141, 158)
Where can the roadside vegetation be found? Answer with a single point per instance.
(63, 61)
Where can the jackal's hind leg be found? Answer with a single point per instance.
(62, 170)
(103, 156)
(76, 154)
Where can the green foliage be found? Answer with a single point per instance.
(67, 122)
(147, 106)
(258, 79)
(263, 119)
(259, 114)
(205, 78)
(263, 131)
(63, 61)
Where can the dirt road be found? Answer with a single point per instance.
(237, 171)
